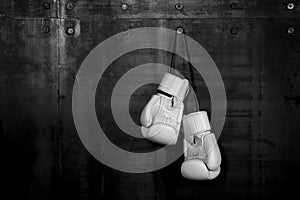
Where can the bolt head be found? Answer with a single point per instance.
(234, 30)
(70, 31)
(46, 5)
(291, 30)
(290, 6)
(46, 29)
(180, 30)
(233, 5)
(124, 6)
(178, 6)
(69, 6)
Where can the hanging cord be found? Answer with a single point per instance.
(192, 77)
(193, 82)
(172, 64)
(191, 73)
(171, 70)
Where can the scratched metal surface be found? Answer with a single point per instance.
(249, 41)
(158, 9)
(28, 107)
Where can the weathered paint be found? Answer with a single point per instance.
(43, 157)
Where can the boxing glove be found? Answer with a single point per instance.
(162, 115)
(201, 152)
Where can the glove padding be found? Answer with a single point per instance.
(161, 117)
(201, 151)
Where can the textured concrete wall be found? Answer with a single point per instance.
(255, 45)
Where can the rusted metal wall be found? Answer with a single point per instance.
(255, 45)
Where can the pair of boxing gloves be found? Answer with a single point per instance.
(161, 121)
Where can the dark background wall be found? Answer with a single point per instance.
(255, 45)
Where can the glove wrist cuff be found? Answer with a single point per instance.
(196, 123)
(174, 86)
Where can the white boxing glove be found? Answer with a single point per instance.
(201, 151)
(161, 117)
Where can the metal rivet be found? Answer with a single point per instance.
(178, 6)
(234, 30)
(291, 30)
(69, 6)
(233, 5)
(124, 6)
(46, 6)
(290, 6)
(46, 29)
(70, 31)
(180, 30)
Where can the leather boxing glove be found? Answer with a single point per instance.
(162, 115)
(201, 151)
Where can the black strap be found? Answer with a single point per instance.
(164, 93)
